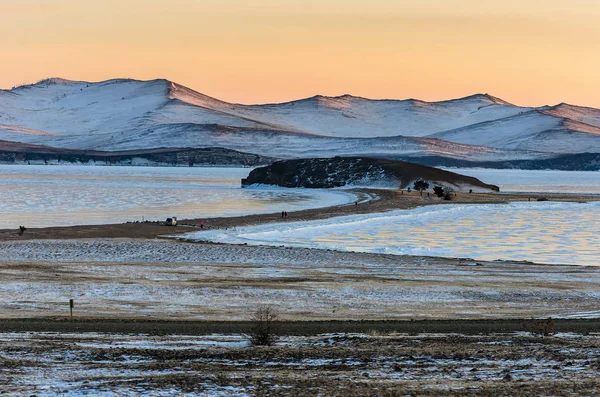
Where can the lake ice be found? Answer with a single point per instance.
(39, 196)
(537, 181)
(542, 232)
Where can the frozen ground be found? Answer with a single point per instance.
(542, 232)
(530, 181)
(39, 196)
(47, 364)
(168, 279)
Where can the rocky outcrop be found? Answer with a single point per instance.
(358, 171)
(17, 153)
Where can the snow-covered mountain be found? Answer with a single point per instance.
(536, 130)
(126, 114)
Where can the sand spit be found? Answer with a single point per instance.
(369, 201)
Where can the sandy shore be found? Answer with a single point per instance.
(372, 200)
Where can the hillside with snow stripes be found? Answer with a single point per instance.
(125, 114)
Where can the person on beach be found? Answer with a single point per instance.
(283, 214)
(201, 224)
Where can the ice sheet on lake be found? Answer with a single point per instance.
(543, 232)
(39, 196)
(537, 181)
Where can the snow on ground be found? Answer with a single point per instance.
(164, 278)
(64, 107)
(582, 114)
(542, 232)
(355, 117)
(535, 130)
(293, 145)
(48, 364)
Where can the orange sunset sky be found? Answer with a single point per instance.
(529, 52)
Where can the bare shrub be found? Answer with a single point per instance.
(262, 332)
(544, 327)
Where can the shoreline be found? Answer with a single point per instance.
(132, 274)
(381, 200)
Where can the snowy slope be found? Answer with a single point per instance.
(355, 117)
(126, 114)
(285, 144)
(577, 113)
(349, 116)
(534, 130)
(68, 108)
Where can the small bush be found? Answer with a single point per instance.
(543, 327)
(443, 192)
(262, 331)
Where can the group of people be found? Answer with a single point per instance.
(284, 214)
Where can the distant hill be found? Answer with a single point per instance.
(536, 130)
(358, 171)
(18, 153)
(125, 114)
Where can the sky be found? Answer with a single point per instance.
(528, 52)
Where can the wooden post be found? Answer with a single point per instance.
(71, 304)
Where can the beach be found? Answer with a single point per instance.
(368, 201)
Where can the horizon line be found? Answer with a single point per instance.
(492, 97)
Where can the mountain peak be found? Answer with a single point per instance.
(484, 97)
(191, 97)
(568, 106)
(52, 81)
(45, 82)
(579, 113)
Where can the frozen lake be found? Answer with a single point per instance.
(38, 196)
(542, 232)
(533, 181)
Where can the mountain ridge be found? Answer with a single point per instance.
(61, 80)
(130, 114)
